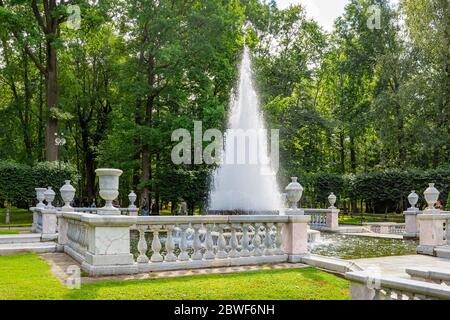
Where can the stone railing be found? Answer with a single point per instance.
(386, 227)
(123, 211)
(434, 231)
(102, 243)
(366, 287)
(45, 222)
(323, 219)
(438, 276)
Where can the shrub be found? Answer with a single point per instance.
(381, 191)
(17, 181)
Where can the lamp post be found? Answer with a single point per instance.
(59, 141)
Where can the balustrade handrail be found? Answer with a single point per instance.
(157, 220)
(318, 211)
(405, 286)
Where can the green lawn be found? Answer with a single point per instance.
(19, 217)
(27, 276)
(9, 231)
(359, 219)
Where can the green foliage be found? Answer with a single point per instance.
(17, 181)
(382, 191)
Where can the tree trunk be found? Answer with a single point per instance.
(51, 150)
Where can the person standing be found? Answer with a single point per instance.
(145, 209)
(183, 207)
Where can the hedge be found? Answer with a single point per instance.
(380, 191)
(17, 181)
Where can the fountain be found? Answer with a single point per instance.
(245, 187)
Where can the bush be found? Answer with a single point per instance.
(17, 181)
(381, 191)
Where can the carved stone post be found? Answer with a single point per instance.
(295, 237)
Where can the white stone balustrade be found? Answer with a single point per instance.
(376, 287)
(323, 219)
(386, 227)
(102, 243)
(45, 222)
(434, 231)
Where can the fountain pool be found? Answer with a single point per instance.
(356, 247)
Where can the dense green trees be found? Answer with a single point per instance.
(362, 98)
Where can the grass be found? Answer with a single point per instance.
(26, 276)
(9, 232)
(360, 219)
(19, 217)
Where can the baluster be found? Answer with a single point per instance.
(170, 245)
(197, 245)
(245, 241)
(156, 245)
(377, 294)
(233, 242)
(209, 244)
(257, 241)
(221, 243)
(142, 245)
(268, 240)
(183, 256)
(388, 294)
(278, 239)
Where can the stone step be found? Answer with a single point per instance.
(37, 247)
(20, 238)
(443, 252)
(330, 264)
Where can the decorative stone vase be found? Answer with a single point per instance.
(132, 198)
(431, 195)
(109, 189)
(332, 200)
(67, 194)
(294, 192)
(49, 195)
(413, 197)
(40, 197)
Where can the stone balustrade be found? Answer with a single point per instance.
(45, 222)
(386, 227)
(438, 276)
(102, 243)
(434, 231)
(375, 287)
(323, 219)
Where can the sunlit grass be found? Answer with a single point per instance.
(27, 276)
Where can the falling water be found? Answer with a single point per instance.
(247, 185)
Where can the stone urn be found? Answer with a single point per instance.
(40, 196)
(132, 198)
(108, 180)
(67, 194)
(49, 195)
(431, 195)
(294, 192)
(332, 200)
(413, 197)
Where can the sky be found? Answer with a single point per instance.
(323, 11)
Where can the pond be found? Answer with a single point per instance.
(356, 247)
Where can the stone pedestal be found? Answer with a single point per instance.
(49, 224)
(411, 225)
(333, 219)
(431, 230)
(295, 237)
